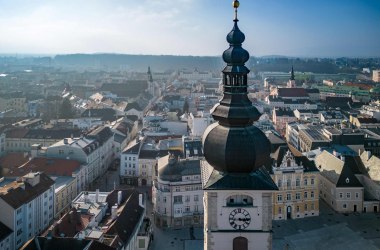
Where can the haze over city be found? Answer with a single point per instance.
(190, 27)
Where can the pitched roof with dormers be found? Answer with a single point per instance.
(340, 171)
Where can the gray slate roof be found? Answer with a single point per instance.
(256, 180)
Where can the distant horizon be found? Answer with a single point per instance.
(294, 28)
(26, 55)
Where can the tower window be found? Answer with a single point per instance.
(239, 200)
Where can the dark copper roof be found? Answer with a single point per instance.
(233, 144)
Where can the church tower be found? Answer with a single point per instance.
(150, 82)
(292, 81)
(237, 187)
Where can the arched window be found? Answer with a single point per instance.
(240, 243)
(288, 163)
(305, 182)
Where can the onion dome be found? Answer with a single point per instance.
(233, 144)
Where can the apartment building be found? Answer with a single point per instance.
(27, 206)
(177, 193)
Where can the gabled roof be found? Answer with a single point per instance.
(367, 120)
(131, 88)
(312, 91)
(133, 150)
(106, 114)
(16, 133)
(128, 219)
(347, 177)
(278, 156)
(292, 92)
(337, 171)
(342, 102)
(54, 166)
(15, 194)
(12, 160)
(173, 170)
(101, 134)
(133, 105)
(284, 112)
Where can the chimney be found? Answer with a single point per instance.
(342, 158)
(85, 197)
(119, 196)
(141, 200)
(57, 228)
(71, 217)
(35, 151)
(114, 212)
(49, 235)
(97, 195)
(368, 154)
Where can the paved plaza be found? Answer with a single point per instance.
(330, 230)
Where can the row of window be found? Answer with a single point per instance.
(298, 182)
(187, 188)
(298, 196)
(188, 178)
(178, 198)
(348, 195)
(306, 208)
(130, 158)
(186, 209)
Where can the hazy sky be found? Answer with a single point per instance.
(325, 28)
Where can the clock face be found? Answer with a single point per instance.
(239, 218)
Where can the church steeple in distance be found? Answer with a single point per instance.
(233, 144)
(150, 78)
(292, 74)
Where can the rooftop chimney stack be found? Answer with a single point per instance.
(119, 196)
(141, 200)
(97, 195)
(114, 212)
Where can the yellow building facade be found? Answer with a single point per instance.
(65, 192)
(297, 181)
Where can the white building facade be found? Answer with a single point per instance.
(27, 207)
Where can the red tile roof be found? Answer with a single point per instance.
(49, 166)
(70, 224)
(12, 160)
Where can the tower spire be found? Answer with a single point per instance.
(292, 74)
(150, 78)
(245, 148)
(235, 4)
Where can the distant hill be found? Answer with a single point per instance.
(138, 62)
